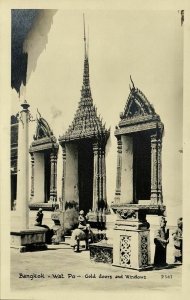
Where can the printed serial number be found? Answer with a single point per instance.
(166, 276)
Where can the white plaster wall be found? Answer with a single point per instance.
(127, 169)
(145, 44)
(71, 175)
(38, 178)
(59, 172)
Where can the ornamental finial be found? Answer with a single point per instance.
(132, 82)
(85, 52)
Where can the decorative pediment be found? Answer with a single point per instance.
(138, 114)
(43, 138)
(137, 106)
(43, 129)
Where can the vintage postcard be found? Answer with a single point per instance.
(94, 124)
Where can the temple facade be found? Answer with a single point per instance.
(75, 159)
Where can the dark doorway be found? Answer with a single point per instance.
(13, 189)
(47, 173)
(85, 175)
(141, 166)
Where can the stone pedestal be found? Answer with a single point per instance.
(132, 249)
(131, 245)
(29, 239)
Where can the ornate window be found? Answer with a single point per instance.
(139, 137)
(43, 152)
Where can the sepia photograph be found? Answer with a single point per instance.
(96, 150)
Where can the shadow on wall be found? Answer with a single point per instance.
(37, 38)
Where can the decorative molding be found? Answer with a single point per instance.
(126, 213)
(43, 138)
(44, 144)
(125, 250)
(53, 179)
(43, 129)
(119, 167)
(147, 208)
(144, 249)
(43, 205)
(137, 127)
(137, 106)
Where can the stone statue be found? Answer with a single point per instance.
(83, 222)
(82, 233)
(161, 241)
(39, 217)
(178, 241)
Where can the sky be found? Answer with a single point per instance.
(148, 45)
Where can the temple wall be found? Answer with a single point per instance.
(127, 170)
(38, 178)
(71, 174)
(59, 172)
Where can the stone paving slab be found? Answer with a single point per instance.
(59, 268)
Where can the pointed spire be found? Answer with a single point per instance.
(85, 51)
(88, 43)
(86, 122)
(86, 91)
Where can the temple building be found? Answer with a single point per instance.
(83, 146)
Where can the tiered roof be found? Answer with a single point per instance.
(86, 122)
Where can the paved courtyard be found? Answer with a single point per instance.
(59, 268)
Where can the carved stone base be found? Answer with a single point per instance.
(101, 252)
(29, 239)
(132, 249)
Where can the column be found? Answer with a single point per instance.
(100, 189)
(53, 181)
(154, 170)
(63, 175)
(159, 153)
(95, 179)
(55, 176)
(32, 176)
(23, 168)
(104, 176)
(119, 166)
